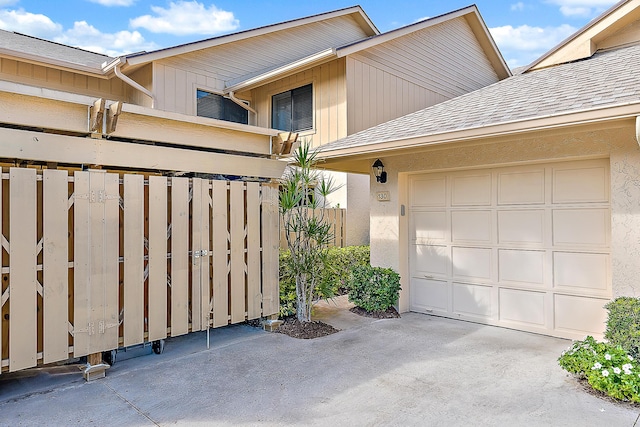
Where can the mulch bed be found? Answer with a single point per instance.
(306, 330)
(389, 313)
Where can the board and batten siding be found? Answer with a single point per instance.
(52, 78)
(329, 100)
(209, 69)
(413, 72)
(144, 77)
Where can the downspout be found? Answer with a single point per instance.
(232, 97)
(638, 129)
(133, 84)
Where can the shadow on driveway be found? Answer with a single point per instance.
(417, 370)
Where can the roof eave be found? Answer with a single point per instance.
(362, 18)
(285, 70)
(470, 13)
(53, 63)
(567, 119)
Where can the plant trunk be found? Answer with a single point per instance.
(303, 311)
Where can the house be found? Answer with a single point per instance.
(141, 187)
(324, 76)
(518, 204)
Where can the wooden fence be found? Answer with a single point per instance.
(337, 217)
(94, 260)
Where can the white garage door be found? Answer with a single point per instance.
(524, 247)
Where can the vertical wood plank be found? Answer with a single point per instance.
(133, 259)
(157, 258)
(220, 256)
(179, 256)
(55, 265)
(237, 252)
(81, 271)
(254, 295)
(108, 321)
(205, 293)
(23, 327)
(270, 244)
(196, 245)
(1, 256)
(97, 258)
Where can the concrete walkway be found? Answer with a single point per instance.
(417, 370)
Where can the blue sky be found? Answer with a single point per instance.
(523, 29)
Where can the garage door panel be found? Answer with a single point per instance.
(524, 307)
(580, 314)
(472, 262)
(429, 227)
(471, 226)
(471, 190)
(581, 227)
(429, 295)
(429, 192)
(581, 270)
(472, 300)
(525, 247)
(525, 187)
(431, 259)
(580, 184)
(521, 266)
(521, 227)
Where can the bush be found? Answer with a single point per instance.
(340, 263)
(623, 324)
(374, 288)
(606, 367)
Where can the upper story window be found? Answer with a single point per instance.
(217, 106)
(293, 110)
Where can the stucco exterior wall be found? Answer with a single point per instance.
(389, 234)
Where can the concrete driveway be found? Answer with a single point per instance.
(417, 370)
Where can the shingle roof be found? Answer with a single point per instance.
(46, 49)
(608, 78)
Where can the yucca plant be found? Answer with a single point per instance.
(303, 198)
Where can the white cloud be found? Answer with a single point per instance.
(582, 8)
(518, 6)
(187, 17)
(86, 36)
(521, 45)
(33, 24)
(110, 3)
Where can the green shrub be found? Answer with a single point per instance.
(606, 367)
(374, 288)
(340, 262)
(623, 324)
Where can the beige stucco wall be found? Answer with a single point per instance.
(389, 234)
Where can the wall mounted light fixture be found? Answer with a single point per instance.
(379, 172)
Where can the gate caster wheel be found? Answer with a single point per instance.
(158, 346)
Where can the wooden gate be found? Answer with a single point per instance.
(94, 260)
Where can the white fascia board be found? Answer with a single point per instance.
(575, 118)
(53, 63)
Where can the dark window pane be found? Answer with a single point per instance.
(302, 109)
(216, 106)
(293, 110)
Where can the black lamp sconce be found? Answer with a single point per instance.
(379, 172)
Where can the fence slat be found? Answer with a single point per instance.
(81, 266)
(179, 256)
(23, 327)
(205, 293)
(220, 257)
(196, 246)
(1, 286)
(157, 258)
(110, 267)
(133, 259)
(237, 253)
(254, 296)
(55, 265)
(270, 245)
